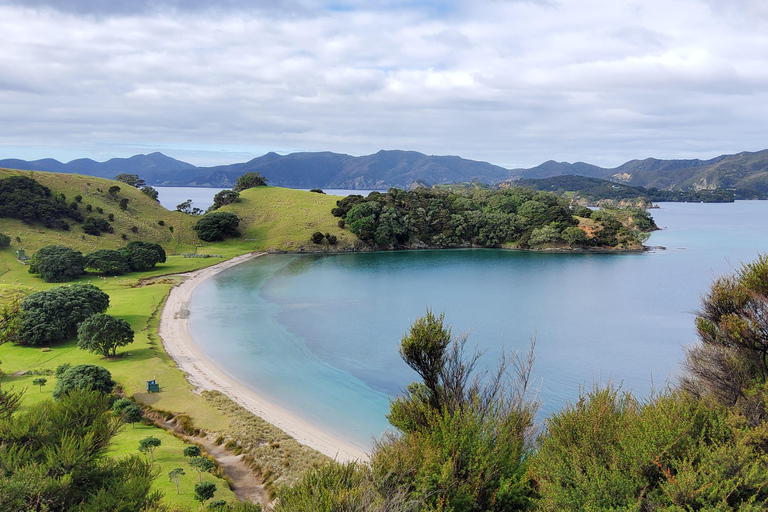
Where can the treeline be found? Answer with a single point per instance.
(518, 217)
(594, 190)
(58, 264)
(469, 444)
(27, 200)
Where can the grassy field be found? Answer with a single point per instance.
(272, 218)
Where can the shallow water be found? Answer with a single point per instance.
(319, 334)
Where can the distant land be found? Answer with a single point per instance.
(745, 174)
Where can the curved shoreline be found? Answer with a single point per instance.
(203, 373)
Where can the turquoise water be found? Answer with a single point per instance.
(319, 334)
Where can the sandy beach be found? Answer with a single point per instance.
(204, 374)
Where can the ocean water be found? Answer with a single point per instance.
(319, 334)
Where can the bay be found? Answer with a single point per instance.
(319, 334)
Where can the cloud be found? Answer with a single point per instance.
(514, 83)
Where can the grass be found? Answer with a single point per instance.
(272, 218)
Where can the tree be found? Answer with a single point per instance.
(192, 451)
(84, 377)
(149, 444)
(214, 227)
(186, 207)
(124, 203)
(224, 198)
(142, 255)
(102, 334)
(317, 237)
(40, 381)
(250, 180)
(204, 491)
(57, 264)
(732, 327)
(53, 315)
(5, 240)
(113, 190)
(201, 465)
(151, 193)
(131, 179)
(127, 410)
(574, 236)
(175, 475)
(107, 261)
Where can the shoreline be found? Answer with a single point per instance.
(202, 373)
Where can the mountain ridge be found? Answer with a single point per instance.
(745, 172)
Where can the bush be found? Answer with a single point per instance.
(107, 261)
(142, 255)
(96, 226)
(113, 190)
(331, 238)
(25, 199)
(216, 226)
(249, 180)
(78, 198)
(84, 377)
(124, 203)
(57, 264)
(317, 237)
(5, 240)
(224, 198)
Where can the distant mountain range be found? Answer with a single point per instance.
(743, 173)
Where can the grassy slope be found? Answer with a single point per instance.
(279, 219)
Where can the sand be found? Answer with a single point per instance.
(204, 374)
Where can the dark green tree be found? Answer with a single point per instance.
(204, 491)
(148, 445)
(57, 264)
(201, 465)
(40, 381)
(131, 179)
(317, 237)
(250, 180)
(84, 377)
(124, 203)
(107, 261)
(5, 240)
(113, 190)
(216, 226)
(224, 198)
(186, 207)
(103, 334)
(151, 193)
(192, 451)
(53, 315)
(142, 255)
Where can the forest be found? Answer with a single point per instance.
(516, 217)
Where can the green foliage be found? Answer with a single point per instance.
(40, 381)
(186, 207)
(224, 198)
(732, 326)
(53, 458)
(216, 226)
(113, 190)
(175, 475)
(676, 452)
(249, 180)
(108, 262)
(127, 410)
(149, 444)
(192, 451)
(96, 226)
(142, 255)
(201, 465)
(316, 190)
(25, 199)
(204, 491)
(317, 237)
(334, 487)
(331, 238)
(5, 240)
(103, 334)
(150, 192)
(84, 377)
(131, 179)
(124, 203)
(53, 315)
(574, 236)
(57, 264)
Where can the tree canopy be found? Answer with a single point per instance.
(103, 334)
(131, 179)
(53, 315)
(84, 377)
(57, 264)
(250, 180)
(216, 226)
(107, 261)
(224, 198)
(25, 199)
(142, 255)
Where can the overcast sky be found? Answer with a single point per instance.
(511, 82)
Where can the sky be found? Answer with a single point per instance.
(511, 82)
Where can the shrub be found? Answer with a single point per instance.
(107, 261)
(249, 180)
(216, 226)
(5, 240)
(84, 377)
(317, 237)
(78, 198)
(124, 203)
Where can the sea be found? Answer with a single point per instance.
(319, 334)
